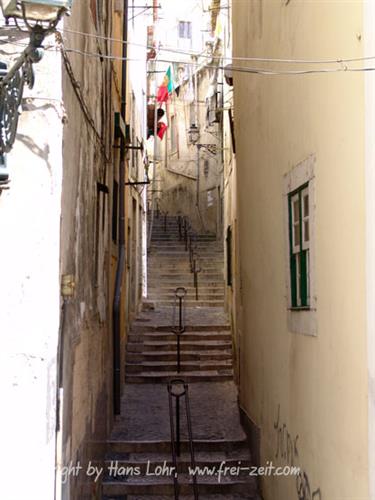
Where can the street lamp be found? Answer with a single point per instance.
(193, 134)
(39, 10)
(40, 18)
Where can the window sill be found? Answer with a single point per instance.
(302, 320)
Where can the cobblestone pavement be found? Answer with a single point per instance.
(145, 412)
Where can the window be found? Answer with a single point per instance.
(184, 29)
(299, 209)
(299, 234)
(228, 241)
(184, 35)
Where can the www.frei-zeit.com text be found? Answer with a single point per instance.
(117, 469)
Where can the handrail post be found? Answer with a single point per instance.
(173, 440)
(191, 257)
(180, 294)
(186, 237)
(178, 392)
(196, 270)
(179, 220)
(176, 438)
(165, 221)
(191, 443)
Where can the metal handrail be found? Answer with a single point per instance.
(196, 271)
(186, 234)
(165, 220)
(176, 434)
(180, 294)
(192, 248)
(180, 221)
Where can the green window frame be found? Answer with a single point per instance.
(299, 244)
(229, 256)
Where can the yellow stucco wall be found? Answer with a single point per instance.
(315, 385)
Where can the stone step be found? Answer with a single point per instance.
(141, 326)
(175, 237)
(153, 291)
(162, 446)
(205, 273)
(175, 261)
(206, 281)
(219, 288)
(184, 266)
(181, 252)
(150, 377)
(177, 265)
(242, 454)
(181, 256)
(191, 291)
(170, 336)
(163, 356)
(183, 262)
(208, 496)
(154, 296)
(174, 226)
(193, 303)
(173, 283)
(204, 294)
(180, 243)
(185, 366)
(203, 345)
(188, 276)
(164, 485)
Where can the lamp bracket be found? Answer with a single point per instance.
(12, 83)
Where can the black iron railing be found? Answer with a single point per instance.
(176, 390)
(196, 270)
(179, 321)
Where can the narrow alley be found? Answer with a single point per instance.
(187, 249)
(141, 438)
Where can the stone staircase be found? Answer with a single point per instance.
(206, 353)
(139, 463)
(139, 460)
(169, 267)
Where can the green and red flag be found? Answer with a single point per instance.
(166, 88)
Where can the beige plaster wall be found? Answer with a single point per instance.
(308, 394)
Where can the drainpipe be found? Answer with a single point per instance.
(121, 258)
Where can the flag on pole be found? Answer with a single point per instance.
(166, 87)
(162, 128)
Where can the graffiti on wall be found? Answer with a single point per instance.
(287, 449)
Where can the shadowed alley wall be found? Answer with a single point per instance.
(303, 372)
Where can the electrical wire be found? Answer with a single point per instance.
(139, 13)
(233, 58)
(338, 60)
(237, 69)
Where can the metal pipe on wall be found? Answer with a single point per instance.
(121, 259)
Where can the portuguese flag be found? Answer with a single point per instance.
(166, 87)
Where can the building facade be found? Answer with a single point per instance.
(188, 172)
(65, 325)
(304, 160)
